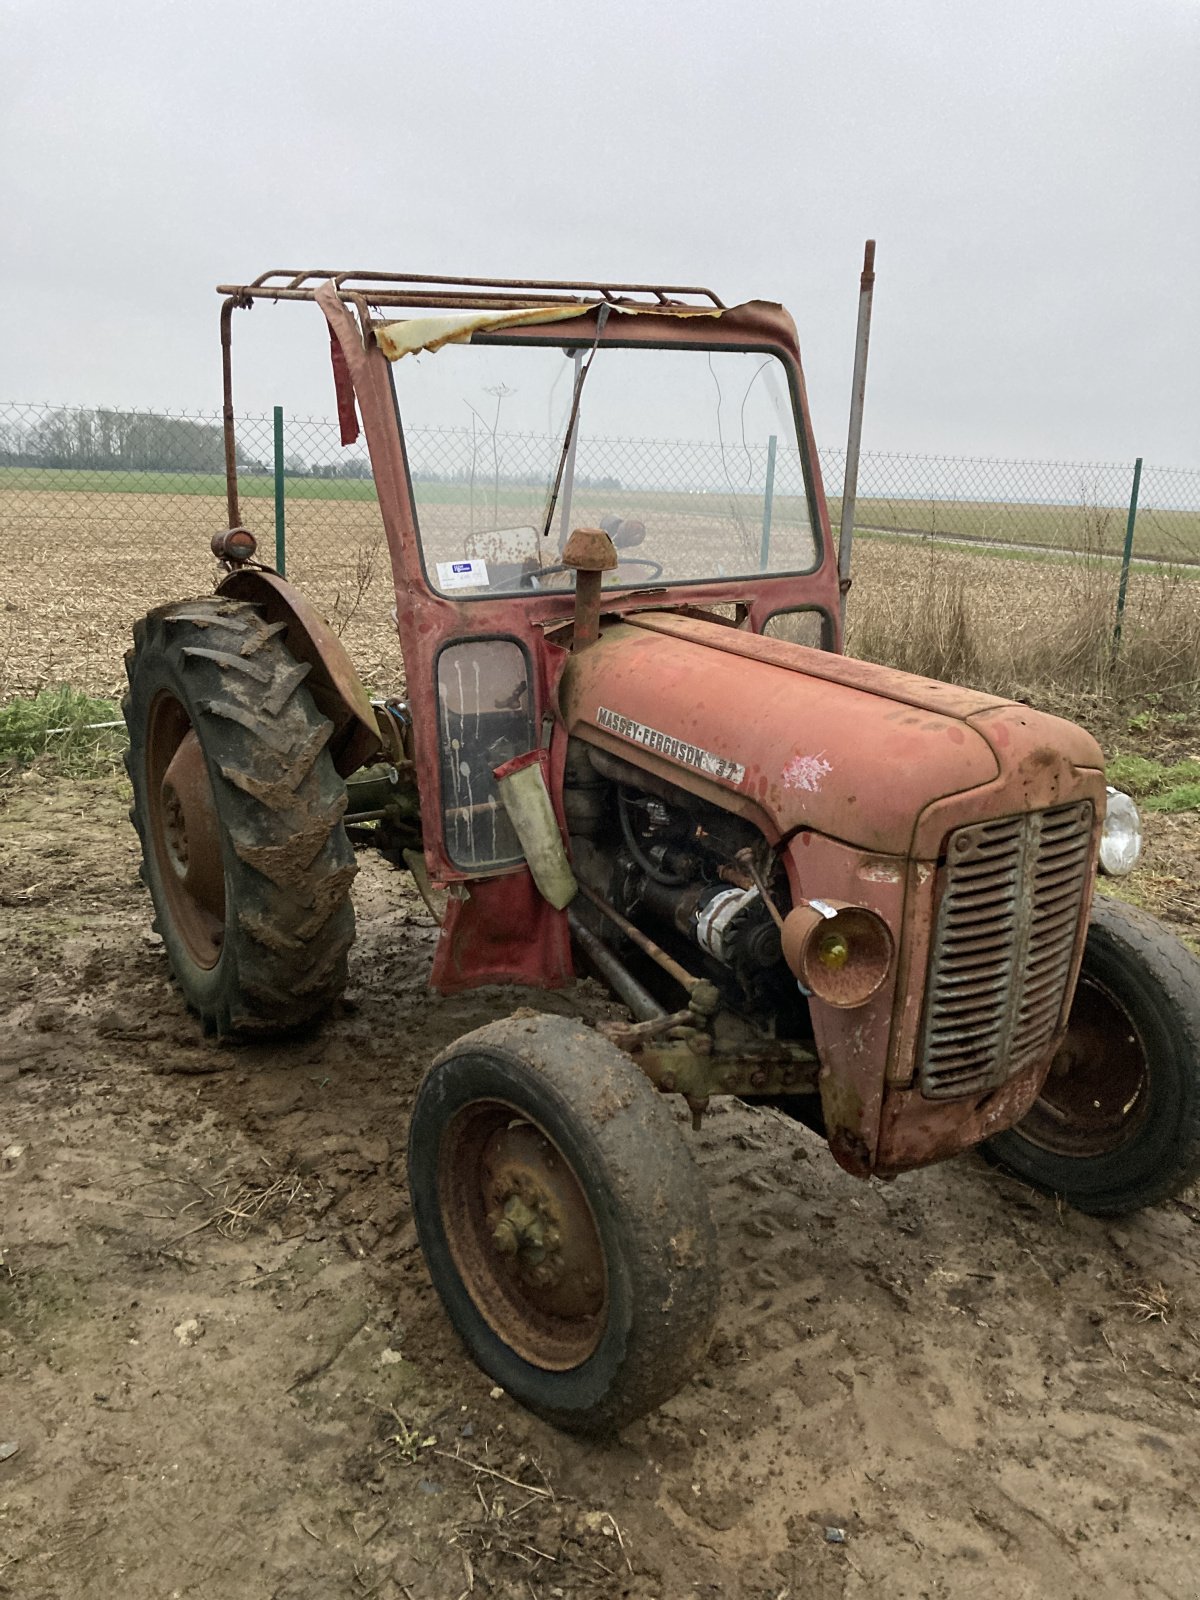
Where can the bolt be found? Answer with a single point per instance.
(667, 1083)
(518, 1229)
(758, 1079)
(506, 1238)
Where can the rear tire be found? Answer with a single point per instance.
(563, 1220)
(238, 809)
(1117, 1125)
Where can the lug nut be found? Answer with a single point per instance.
(506, 1238)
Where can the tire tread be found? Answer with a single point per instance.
(281, 803)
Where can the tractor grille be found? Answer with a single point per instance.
(1006, 927)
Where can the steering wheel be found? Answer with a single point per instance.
(529, 580)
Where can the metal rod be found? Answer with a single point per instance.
(768, 503)
(568, 483)
(423, 286)
(644, 943)
(1126, 558)
(622, 982)
(231, 480)
(858, 394)
(745, 859)
(280, 529)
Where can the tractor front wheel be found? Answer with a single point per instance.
(1117, 1124)
(239, 811)
(563, 1220)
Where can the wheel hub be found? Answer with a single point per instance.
(185, 831)
(190, 826)
(539, 1222)
(523, 1236)
(1095, 1094)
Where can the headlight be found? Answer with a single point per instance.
(1121, 836)
(840, 953)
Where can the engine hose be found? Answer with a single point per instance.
(668, 880)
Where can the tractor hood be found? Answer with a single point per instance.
(796, 738)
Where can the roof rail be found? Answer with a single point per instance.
(484, 294)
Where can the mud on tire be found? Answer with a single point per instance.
(258, 943)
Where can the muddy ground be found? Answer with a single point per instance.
(227, 1377)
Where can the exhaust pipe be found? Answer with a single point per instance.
(858, 394)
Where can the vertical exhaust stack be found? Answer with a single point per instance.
(858, 392)
(591, 553)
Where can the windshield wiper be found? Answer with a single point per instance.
(573, 421)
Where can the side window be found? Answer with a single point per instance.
(800, 627)
(485, 715)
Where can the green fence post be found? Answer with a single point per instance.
(280, 535)
(768, 503)
(1126, 558)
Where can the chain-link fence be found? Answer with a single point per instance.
(1076, 508)
(106, 513)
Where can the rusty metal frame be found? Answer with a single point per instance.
(363, 289)
(476, 945)
(421, 289)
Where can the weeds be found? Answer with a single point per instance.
(969, 619)
(406, 1443)
(366, 559)
(1156, 786)
(59, 725)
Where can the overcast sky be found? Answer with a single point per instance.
(1030, 170)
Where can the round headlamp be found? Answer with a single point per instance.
(840, 953)
(1121, 836)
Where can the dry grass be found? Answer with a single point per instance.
(239, 1206)
(1150, 1302)
(1025, 628)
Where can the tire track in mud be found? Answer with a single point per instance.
(933, 1376)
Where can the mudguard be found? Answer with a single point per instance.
(335, 686)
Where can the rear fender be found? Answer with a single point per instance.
(332, 681)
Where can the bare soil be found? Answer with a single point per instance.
(227, 1376)
(87, 565)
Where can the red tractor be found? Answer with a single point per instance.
(632, 747)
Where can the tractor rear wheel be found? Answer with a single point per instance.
(239, 811)
(563, 1220)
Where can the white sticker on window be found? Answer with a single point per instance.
(462, 575)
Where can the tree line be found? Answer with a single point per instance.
(103, 440)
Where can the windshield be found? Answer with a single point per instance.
(688, 458)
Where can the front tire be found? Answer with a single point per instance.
(563, 1220)
(1117, 1125)
(239, 811)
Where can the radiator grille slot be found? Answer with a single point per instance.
(1002, 948)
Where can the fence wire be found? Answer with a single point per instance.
(106, 513)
